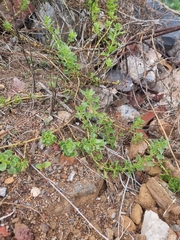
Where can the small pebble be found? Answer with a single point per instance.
(44, 227)
(71, 176)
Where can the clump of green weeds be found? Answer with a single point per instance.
(99, 133)
(48, 138)
(174, 4)
(12, 163)
(43, 165)
(108, 31)
(66, 56)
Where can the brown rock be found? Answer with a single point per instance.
(160, 193)
(145, 199)
(141, 237)
(127, 224)
(171, 235)
(136, 214)
(2, 87)
(109, 233)
(153, 171)
(137, 148)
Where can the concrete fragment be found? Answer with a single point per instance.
(153, 227)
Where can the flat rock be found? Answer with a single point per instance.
(160, 193)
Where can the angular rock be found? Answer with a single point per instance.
(153, 227)
(145, 198)
(3, 191)
(158, 192)
(127, 223)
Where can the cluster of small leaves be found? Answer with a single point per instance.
(174, 4)
(97, 124)
(7, 26)
(43, 165)
(69, 147)
(154, 156)
(111, 29)
(98, 127)
(24, 5)
(48, 138)
(173, 182)
(12, 163)
(66, 56)
(137, 125)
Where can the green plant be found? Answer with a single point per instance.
(7, 26)
(107, 30)
(44, 165)
(174, 4)
(66, 56)
(97, 124)
(48, 138)
(137, 125)
(24, 5)
(173, 182)
(12, 163)
(69, 147)
(71, 36)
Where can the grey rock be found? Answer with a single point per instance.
(153, 227)
(169, 19)
(119, 81)
(128, 113)
(3, 191)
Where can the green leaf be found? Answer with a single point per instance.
(3, 167)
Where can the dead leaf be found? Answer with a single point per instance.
(9, 180)
(3, 232)
(22, 232)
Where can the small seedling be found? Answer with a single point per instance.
(44, 165)
(69, 147)
(12, 163)
(48, 138)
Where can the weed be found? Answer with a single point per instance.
(107, 32)
(69, 147)
(44, 165)
(7, 26)
(97, 124)
(12, 163)
(173, 182)
(174, 4)
(66, 56)
(24, 5)
(48, 138)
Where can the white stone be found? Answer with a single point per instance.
(153, 227)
